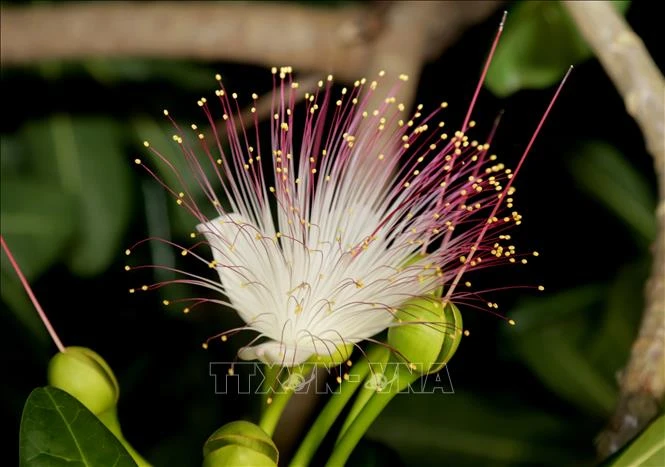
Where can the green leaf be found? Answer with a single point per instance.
(37, 222)
(539, 43)
(180, 177)
(564, 369)
(370, 453)
(603, 172)
(609, 347)
(11, 155)
(84, 155)
(166, 219)
(548, 338)
(57, 430)
(539, 313)
(647, 450)
(158, 135)
(463, 429)
(17, 301)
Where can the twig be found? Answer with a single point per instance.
(640, 83)
(416, 32)
(265, 33)
(337, 40)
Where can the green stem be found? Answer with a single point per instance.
(273, 412)
(366, 393)
(270, 383)
(110, 419)
(353, 434)
(362, 398)
(335, 405)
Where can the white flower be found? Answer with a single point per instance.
(327, 237)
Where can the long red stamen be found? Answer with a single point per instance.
(486, 68)
(508, 185)
(34, 300)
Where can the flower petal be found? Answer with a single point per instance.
(273, 352)
(242, 260)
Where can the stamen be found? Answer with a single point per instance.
(33, 298)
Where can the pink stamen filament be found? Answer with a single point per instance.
(505, 191)
(35, 302)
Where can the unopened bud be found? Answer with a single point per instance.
(240, 443)
(335, 357)
(427, 335)
(86, 376)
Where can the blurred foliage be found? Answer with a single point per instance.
(525, 57)
(534, 394)
(551, 337)
(177, 174)
(463, 429)
(37, 221)
(605, 174)
(182, 74)
(90, 167)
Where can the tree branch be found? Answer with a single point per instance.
(265, 33)
(640, 83)
(308, 38)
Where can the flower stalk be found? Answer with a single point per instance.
(348, 386)
(278, 401)
(400, 379)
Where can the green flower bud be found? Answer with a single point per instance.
(86, 376)
(427, 335)
(414, 259)
(240, 443)
(419, 257)
(339, 355)
(452, 335)
(237, 455)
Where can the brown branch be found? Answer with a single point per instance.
(416, 32)
(308, 38)
(640, 83)
(413, 33)
(265, 33)
(351, 41)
